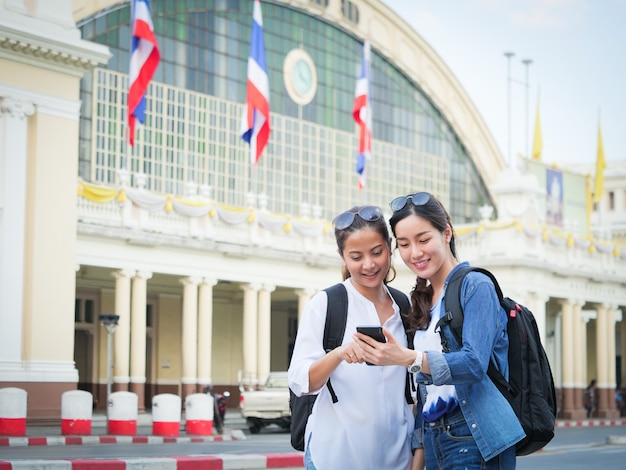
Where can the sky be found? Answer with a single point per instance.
(577, 76)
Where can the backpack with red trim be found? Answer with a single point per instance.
(530, 388)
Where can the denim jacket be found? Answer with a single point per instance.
(489, 416)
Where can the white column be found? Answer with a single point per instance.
(585, 316)
(304, 295)
(580, 368)
(264, 329)
(579, 351)
(622, 315)
(602, 340)
(13, 156)
(567, 308)
(189, 334)
(249, 373)
(606, 361)
(121, 361)
(538, 307)
(612, 346)
(138, 333)
(567, 353)
(205, 331)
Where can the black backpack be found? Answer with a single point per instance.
(334, 329)
(530, 389)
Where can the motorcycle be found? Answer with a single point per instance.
(219, 407)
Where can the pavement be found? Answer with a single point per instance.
(234, 425)
(233, 430)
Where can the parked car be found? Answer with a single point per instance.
(269, 405)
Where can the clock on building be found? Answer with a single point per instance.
(300, 76)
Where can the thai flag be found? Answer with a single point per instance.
(255, 122)
(144, 59)
(362, 113)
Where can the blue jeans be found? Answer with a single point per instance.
(449, 445)
(308, 463)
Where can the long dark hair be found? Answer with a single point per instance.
(379, 225)
(422, 294)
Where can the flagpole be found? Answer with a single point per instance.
(255, 122)
(598, 188)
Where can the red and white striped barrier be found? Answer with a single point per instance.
(233, 435)
(122, 413)
(199, 414)
(166, 415)
(12, 411)
(258, 461)
(76, 411)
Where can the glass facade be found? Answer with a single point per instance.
(195, 101)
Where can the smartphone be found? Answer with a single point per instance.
(375, 332)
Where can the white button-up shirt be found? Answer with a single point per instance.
(370, 426)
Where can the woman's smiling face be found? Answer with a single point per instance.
(422, 247)
(367, 257)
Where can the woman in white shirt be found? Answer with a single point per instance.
(370, 425)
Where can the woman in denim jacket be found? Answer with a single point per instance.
(462, 420)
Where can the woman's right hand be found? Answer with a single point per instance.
(390, 353)
(350, 353)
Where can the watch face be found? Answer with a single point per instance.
(300, 76)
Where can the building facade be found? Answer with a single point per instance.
(208, 260)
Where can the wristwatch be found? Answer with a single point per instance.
(416, 367)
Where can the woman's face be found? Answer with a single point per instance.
(423, 248)
(367, 257)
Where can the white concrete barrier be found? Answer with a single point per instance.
(166, 414)
(199, 414)
(76, 413)
(13, 403)
(122, 413)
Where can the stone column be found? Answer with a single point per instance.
(612, 411)
(538, 307)
(580, 361)
(622, 326)
(568, 383)
(189, 335)
(605, 338)
(205, 332)
(121, 338)
(264, 329)
(250, 301)
(304, 295)
(13, 156)
(138, 337)
(585, 316)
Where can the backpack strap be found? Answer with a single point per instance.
(403, 302)
(335, 326)
(453, 317)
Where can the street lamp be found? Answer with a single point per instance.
(508, 56)
(527, 63)
(109, 321)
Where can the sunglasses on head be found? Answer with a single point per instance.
(367, 213)
(417, 199)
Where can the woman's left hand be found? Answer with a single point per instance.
(390, 353)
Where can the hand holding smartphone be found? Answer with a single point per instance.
(375, 332)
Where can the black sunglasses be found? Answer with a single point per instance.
(367, 213)
(417, 199)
